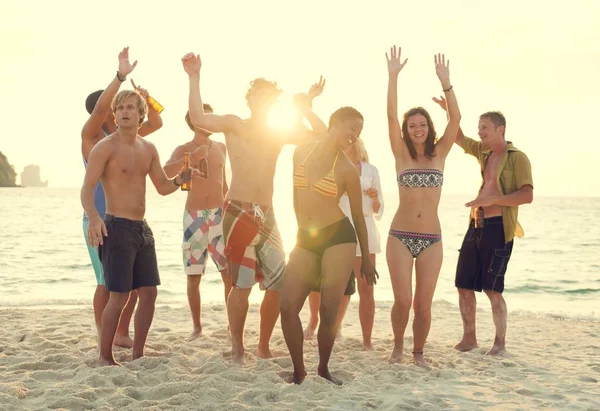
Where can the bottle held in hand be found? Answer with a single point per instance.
(186, 173)
(203, 167)
(479, 217)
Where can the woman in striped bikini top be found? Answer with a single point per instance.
(326, 186)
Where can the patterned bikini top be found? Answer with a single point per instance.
(326, 186)
(420, 177)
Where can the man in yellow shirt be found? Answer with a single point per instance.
(487, 246)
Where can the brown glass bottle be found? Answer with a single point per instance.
(479, 217)
(203, 167)
(156, 106)
(186, 173)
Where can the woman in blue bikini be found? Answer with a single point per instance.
(415, 234)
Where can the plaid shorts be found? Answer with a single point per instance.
(203, 235)
(253, 245)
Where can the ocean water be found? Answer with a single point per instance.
(554, 269)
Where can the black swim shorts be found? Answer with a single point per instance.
(483, 257)
(128, 255)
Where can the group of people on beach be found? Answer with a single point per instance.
(336, 196)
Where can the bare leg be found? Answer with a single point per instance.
(226, 277)
(122, 338)
(269, 313)
(400, 264)
(143, 319)
(100, 300)
(336, 267)
(341, 313)
(427, 268)
(237, 310)
(108, 328)
(468, 307)
(366, 304)
(500, 314)
(300, 275)
(314, 301)
(193, 294)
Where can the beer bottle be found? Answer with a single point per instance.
(186, 173)
(156, 106)
(203, 167)
(479, 217)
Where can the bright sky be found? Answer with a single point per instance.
(536, 62)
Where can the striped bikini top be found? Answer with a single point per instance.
(326, 186)
(420, 177)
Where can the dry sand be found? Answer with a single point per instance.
(47, 361)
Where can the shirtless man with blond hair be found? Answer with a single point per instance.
(253, 245)
(100, 124)
(202, 217)
(122, 161)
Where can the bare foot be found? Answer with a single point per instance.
(264, 353)
(297, 377)
(238, 358)
(197, 333)
(497, 349)
(107, 361)
(310, 329)
(466, 345)
(396, 355)
(124, 341)
(419, 360)
(367, 346)
(136, 356)
(327, 375)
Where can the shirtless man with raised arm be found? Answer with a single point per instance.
(100, 124)
(202, 217)
(253, 244)
(122, 161)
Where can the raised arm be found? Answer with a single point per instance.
(93, 125)
(154, 121)
(97, 160)
(395, 133)
(164, 185)
(442, 69)
(207, 121)
(443, 104)
(352, 185)
(303, 103)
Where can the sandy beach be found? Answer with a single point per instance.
(47, 360)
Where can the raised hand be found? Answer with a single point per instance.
(317, 88)
(393, 60)
(125, 67)
(143, 92)
(442, 68)
(191, 63)
(441, 102)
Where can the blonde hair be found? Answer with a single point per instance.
(124, 95)
(361, 151)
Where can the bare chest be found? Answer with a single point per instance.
(130, 162)
(490, 171)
